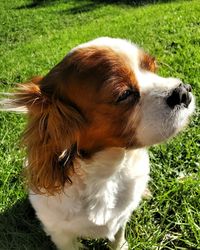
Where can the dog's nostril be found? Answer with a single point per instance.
(180, 95)
(183, 98)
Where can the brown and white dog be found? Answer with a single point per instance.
(89, 122)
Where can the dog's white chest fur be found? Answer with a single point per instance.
(102, 197)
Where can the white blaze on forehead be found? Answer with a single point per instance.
(121, 46)
(146, 79)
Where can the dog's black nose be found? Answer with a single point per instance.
(180, 95)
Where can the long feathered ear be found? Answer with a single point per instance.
(50, 138)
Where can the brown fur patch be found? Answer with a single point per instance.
(76, 103)
(148, 62)
(97, 77)
(52, 128)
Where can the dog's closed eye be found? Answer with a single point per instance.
(127, 95)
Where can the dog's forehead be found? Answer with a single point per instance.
(122, 46)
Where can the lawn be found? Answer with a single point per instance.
(34, 36)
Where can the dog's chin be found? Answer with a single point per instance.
(165, 126)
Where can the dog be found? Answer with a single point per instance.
(90, 121)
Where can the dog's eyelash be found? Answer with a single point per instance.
(127, 93)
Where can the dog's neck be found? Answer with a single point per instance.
(108, 158)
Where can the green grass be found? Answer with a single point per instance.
(33, 38)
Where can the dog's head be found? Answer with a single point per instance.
(104, 93)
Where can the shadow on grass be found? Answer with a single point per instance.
(89, 5)
(132, 2)
(20, 230)
(82, 6)
(36, 4)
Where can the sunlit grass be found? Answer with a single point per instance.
(34, 37)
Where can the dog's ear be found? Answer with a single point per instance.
(147, 62)
(50, 138)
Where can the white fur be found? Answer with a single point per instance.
(99, 202)
(109, 186)
(158, 121)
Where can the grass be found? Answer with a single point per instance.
(34, 37)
